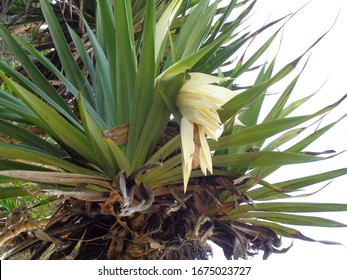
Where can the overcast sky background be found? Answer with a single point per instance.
(327, 64)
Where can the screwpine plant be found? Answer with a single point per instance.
(122, 118)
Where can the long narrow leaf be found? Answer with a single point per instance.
(18, 107)
(37, 77)
(126, 59)
(301, 145)
(59, 127)
(256, 133)
(290, 232)
(144, 83)
(51, 67)
(294, 219)
(165, 94)
(106, 37)
(262, 159)
(293, 207)
(104, 94)
(73, 73)
(63, 109)
(29, 138)
(296, 184)
(96, 142)
(241, 100)
(16, 165)
(188, 29)
(200, 30)
(13, 151)
(57, 178)
(118, 155)
(220, 23)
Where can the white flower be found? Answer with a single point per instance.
(198, 102)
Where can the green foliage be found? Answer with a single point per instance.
(131, 76)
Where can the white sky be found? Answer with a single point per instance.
(327, 63)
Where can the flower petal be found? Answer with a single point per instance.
(207, 96)
(189, 99)
(198, 79)
(205, 154)
(198, 102)
(216, 94)
(188, 147)
(206, 117)
(211, 133)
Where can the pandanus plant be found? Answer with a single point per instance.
(127, 120)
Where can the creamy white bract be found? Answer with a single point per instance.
(198, 102)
